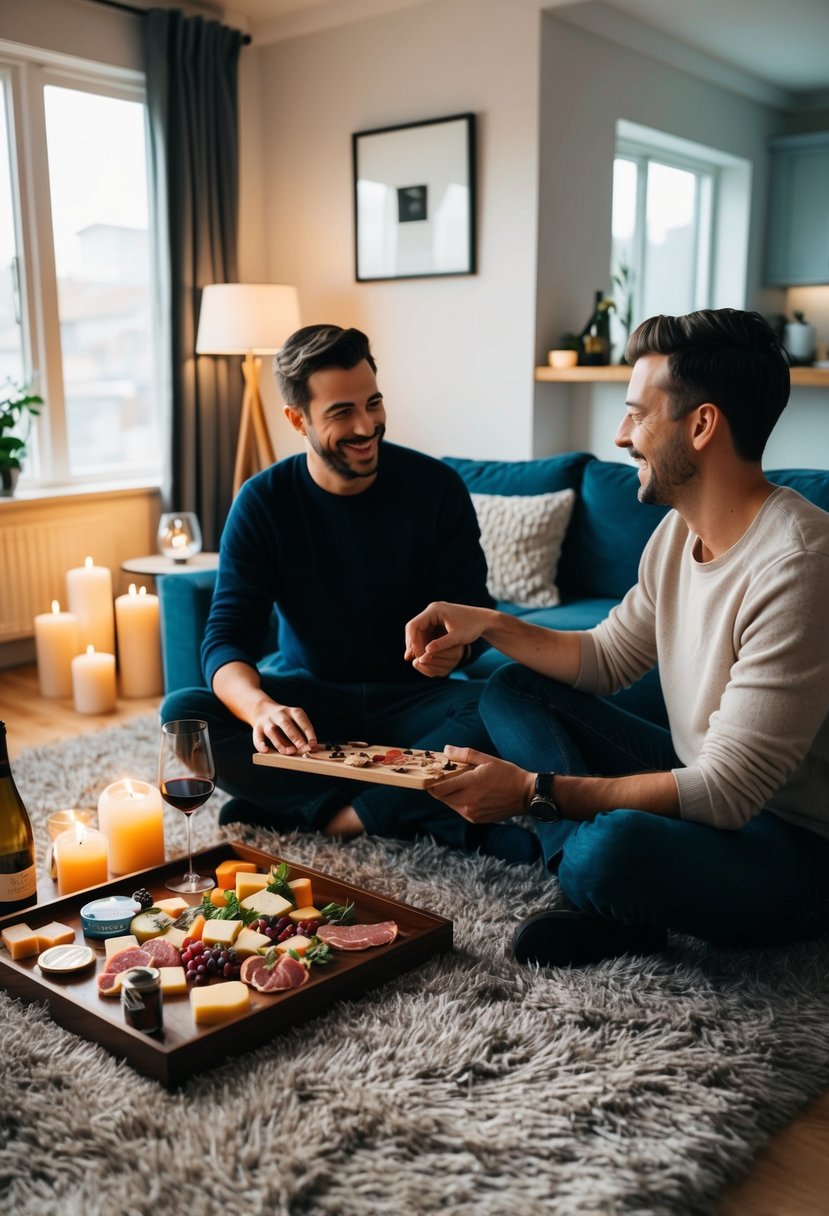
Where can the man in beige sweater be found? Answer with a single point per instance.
(719, 826)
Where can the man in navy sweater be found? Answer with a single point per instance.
(347, 541)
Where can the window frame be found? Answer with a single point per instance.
(25, 78)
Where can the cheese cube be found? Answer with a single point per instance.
(219, 1002)
(302, 892)
(250, 942)
(113, 944)
(20, 941)
(221, 932)
(176, 936)
(306, 913)
(54, 934)
(226, 872)
(174, 906)
(268, 903)
(249, 884)
(298, 943)
(173, 981)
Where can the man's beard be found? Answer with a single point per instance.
(675, 469)
(338, 463)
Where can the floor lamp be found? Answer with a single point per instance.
(248, 319)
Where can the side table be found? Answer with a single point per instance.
(156, 566)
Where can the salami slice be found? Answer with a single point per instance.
(131, 956)
(288, 973)
(163, 953)
(358, 937)
(109, 983)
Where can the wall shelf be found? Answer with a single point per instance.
(615, 373)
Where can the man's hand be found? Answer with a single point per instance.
(493, 790)
(283, 728)
(436, 639)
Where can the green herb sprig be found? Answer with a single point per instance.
(338, 914)
(279, 882)
(232, 910)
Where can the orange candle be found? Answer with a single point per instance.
(81, 859)
(131, 815)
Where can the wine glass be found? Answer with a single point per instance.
(186, 779)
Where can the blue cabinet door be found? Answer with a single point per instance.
(798, 235)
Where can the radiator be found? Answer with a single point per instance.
(34, 558)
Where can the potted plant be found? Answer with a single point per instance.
(17, 404)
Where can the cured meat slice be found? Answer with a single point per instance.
(287, 973)
(358, 937)
(109, 983)
(163, 953)
(131, 956)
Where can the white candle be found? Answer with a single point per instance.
(139, 643)
(90, 598)
(81, 859)
(131, 816)
(57, 641)
(93, 682)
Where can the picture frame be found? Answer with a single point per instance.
(415, 199)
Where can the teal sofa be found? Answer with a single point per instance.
(598, 564)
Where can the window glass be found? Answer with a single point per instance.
(12, 363)
(100, 223)
(670, 254)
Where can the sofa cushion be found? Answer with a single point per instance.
(609, 530)
(811, 483)
(521, 536)
(541, 476)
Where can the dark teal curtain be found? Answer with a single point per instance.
(192, 70)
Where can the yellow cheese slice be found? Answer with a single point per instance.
(113, 944)
(302, 891)
(219, 1002)
(249, 884)
(250, 942)
(173, 981)
(221, 932)
(54, 934)
(176, 936)
(298, 943)
(174, 906)
(20, 941)
(306, 913)
(268, 903)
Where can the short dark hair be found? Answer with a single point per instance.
(726, 356)
(314, 347)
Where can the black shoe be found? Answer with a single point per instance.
(570, 939)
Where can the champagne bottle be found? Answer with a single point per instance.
(595, 337)
(18, 873)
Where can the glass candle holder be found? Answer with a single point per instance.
(179, 536)
(60, 821)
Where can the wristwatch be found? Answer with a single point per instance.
(543, 803)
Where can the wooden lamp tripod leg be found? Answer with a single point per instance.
(254, 450)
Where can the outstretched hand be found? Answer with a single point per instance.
(436, 639)
(491, 791)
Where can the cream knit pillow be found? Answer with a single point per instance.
(521, 536)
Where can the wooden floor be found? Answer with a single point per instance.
(790, 1178)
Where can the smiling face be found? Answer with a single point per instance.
(656, 441)
(344, 426)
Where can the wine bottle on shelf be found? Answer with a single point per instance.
(595, 337)
(18, 872)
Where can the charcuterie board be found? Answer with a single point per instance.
(409, 767)
(183, 1047)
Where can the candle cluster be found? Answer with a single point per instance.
(76, 649)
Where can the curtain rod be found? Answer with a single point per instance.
(142, 12)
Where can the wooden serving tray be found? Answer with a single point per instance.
(183, 1048)
(384, 774)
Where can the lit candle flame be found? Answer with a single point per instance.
(55, 607)
(132, 589)
(90, 649)
(80, 832)
(88, 563)
(128, 787)
(143, 591)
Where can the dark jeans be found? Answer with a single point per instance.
(766, 882)
(429, 714)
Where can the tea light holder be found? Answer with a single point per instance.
(179, 536)
(61, 821)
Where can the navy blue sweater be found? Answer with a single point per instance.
(345, 572)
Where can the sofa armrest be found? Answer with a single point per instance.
(184, 604)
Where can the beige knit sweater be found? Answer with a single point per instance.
(742, 644)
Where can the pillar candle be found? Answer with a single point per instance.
(81, 859)
(57, 641)
(131, 816)
(93, 682)
(139, 643)
(90, 598)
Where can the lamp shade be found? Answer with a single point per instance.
(239, 317)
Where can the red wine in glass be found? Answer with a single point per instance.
(186, 779)
(187, 793)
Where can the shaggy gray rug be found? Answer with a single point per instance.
(471, 1085)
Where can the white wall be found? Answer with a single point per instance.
(455, 355)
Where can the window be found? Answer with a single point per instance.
(670, 198)
(77, 290)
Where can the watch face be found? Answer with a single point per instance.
(545, 809)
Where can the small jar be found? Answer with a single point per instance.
(141, 999)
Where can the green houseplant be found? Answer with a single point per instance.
(17, 404)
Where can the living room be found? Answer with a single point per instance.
(548, 85)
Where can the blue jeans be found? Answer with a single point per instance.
(766, 882)
(429, 714)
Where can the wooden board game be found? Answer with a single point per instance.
(408, 767)
(184, 1048)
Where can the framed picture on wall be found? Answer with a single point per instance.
(414, 199)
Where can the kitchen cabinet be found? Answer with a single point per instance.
(797, 252)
